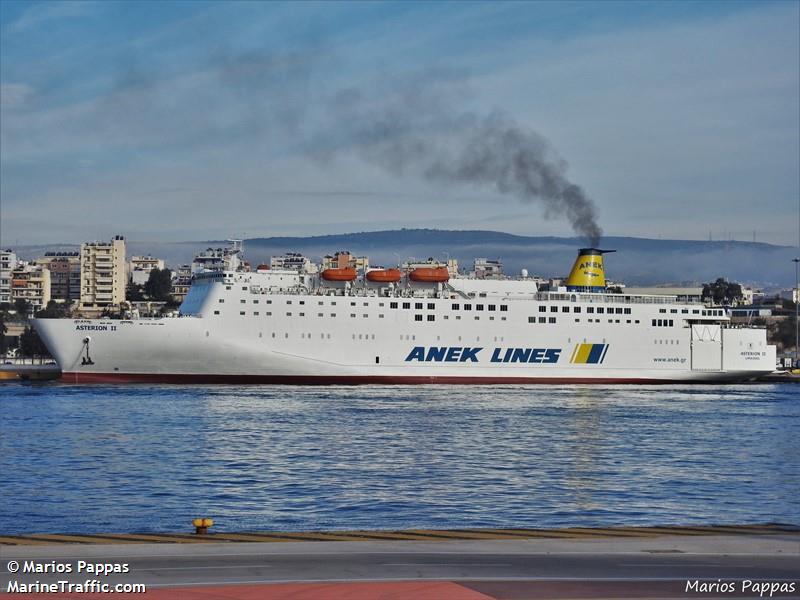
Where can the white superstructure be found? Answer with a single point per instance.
(287, 326)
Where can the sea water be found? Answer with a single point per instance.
(81, 459)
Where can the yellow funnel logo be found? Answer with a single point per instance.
(588, 274)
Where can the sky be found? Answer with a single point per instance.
(175, 121)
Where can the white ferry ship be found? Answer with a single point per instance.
(423, 325)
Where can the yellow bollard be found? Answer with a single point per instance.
(201, 525)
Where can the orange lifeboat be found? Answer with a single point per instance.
(430, 274)
(343, 274)
(384, 275)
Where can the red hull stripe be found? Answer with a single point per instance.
(335, 379)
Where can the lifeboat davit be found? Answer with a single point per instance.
(384, 275)
(344, 274)
(430, 274)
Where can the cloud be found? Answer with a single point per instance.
(49, 11)
(15, 96)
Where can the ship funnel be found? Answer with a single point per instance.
(588, 274)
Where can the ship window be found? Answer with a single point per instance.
(479, 307)
(673, 310)
(241, 312)
(222, 300)
(600, 310)
(590, 309)
(418, 305)
(618, 311)
(685, 311)
(269, 314)
(418, 317)
(333, 303)
(458, 317)
(662, 310)
(577, 320)
(242, 301)
(255, 313)
(492, 307)
(302, 314)
(654, 323)
(565, 309)
(244, 288)
(303, 302)
(446, 317)
(377, 359)
(366, 315)
(288, 314)
(468, 307)
(542, 308)
(705, 313)
(406, 304)
(670, 323)
(333, 314)
(660, 323)
(380, 316)
(477, 318)
(431, 306)
(553, 309)
(288, 302)
(319, 314)
(616, 320)
(319, 303)
(611, 320)
(628, 321)
(503, 308)
(542, 319)
(576, 309)
(269, 301)
(227, 287)
(380, 303)
(627, 311)
(551, 320)
(695, 312)
(392, 304)
(431, 317)
(454, 306)
(352, 315)
(216, 312)
(255, 301)
(352, 304)
(531, 319)
(636, 321)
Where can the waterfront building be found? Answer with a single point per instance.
(102, 274)
(65, 274)
(485, 268)
(219, 259)
(181, 282)
(139, 268)
(292, 261)
(451, 264)
(31, 283)
(343, 259)
(8, 260)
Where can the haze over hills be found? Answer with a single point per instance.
(638, 261)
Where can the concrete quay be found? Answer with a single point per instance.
(614, 563)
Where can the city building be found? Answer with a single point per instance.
(31, 283)
(293, 261)
(139, 268)
(451, 264)
(343, 259)
(790, 294)
(485, 268)
(181, 281)
(8, 260)
(102, 274)
(65, 274)
(219, 259)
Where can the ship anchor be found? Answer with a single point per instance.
(86, 360)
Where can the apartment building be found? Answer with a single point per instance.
(31, 283)
(65, 274)
(103, 273)
(140, 266)
(8, 260)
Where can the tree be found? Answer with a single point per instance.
(722, 291)
(54, 310)
(3, 331)
(159, 285)
(135, 292)
(22, 306)
(31, 345)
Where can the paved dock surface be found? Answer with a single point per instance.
(653, 566)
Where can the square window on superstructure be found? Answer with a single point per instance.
(352, 304)
(600, 310)
(418, 317)
(684, 311)
(269, 301)
(492, 307)
(227, 287)
(320, 303)
(618, 311)
(695, 312)
(671, 323)
(392, 304)
(477, 318)
(468, 307)
(503, 308)
(565, 309)
(380, 304)
(241, 312)
(244, 288)
(216, 312)
(365, 315)
(333, 315)
(242, 301)
(576, 309)
(662, 310)
(654, 323)
(454, 306)
(431, 306)
(352, 315)
(418, 305)
(221, 300)
(627, 311)
(479, 307)
(288, 302)
(542, 319)
(255, 301)
(590, 309)
(380, 316)
(636, 321)
(319, 314)
(551, 320)
(531, 319)
(431, 317)
(577, 320)
(269, 314)
(303, 302)
(302, 314)
(406, 304)
(366, 303)
(255, 313)
(553, 309)
(458, 317)
(673, 311)
(288, 314)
